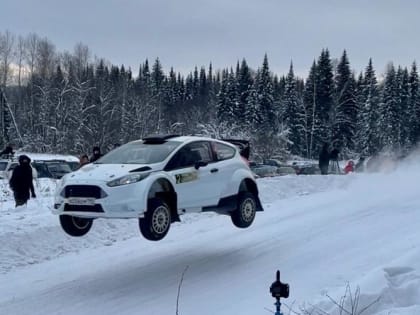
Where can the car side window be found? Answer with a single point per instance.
(189, 154)
(222, 151)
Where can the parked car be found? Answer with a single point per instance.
(273, 162)
(156, 180)
(286, 170)
(52, 168)
(262, 170)
(43, 165)
(3, 168)
(71, 160)
(306, 168)
(7, 167)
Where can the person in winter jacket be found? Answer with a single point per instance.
(21, 181)
(8, 151)
(96, 154)
(83, 160)
(349, 168)
(324, 159)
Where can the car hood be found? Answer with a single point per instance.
(107, 172)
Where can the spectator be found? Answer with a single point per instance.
(324, 159)
(349, 167)
(83, 160)
(8, 151)
(96, 154)
(21, 181)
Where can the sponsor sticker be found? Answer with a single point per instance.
(186, 177)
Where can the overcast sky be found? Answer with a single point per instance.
(188, 33)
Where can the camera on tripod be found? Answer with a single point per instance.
(278, 289)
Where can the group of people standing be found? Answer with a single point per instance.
(96, 154)
(325, 157)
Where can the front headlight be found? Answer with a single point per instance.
(128, 179)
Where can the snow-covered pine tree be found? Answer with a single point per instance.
(227, 98)
(244, 86)
(368, 135)
(324, 98)
(345, 107)
(310, 106)
(414, 106)
(403, 93)
(293, 115)
(388, 124)
(266, 112)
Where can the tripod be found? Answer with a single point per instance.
(335, 167)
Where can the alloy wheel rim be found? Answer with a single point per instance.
(248, 210)
(160, 220)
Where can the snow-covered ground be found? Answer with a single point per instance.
(326, 234)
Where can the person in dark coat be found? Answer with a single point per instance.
(21, 181)
(324, 159)
(96, 154)
(8, 151)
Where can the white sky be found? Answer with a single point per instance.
(322, 232)
(185, 33)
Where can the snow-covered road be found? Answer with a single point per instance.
(320, 231)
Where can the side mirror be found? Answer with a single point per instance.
(199, 164)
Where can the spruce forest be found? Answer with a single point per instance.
(68, 102)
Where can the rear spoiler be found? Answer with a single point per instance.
(243, 146)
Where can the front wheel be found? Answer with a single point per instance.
(75, 226)
(244, 215)
(157, 220)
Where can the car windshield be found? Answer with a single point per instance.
(3, 166)
(139, 153)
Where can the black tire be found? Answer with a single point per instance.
(157, 220)
(75, 226)
(244, 215)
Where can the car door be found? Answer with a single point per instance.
(195, 187)
(224, 165)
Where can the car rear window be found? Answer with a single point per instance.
(139, 153)
(223, 152)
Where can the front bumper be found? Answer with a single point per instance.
(80, 199)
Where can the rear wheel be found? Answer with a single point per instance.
(157, 220)
(244, 215)
(75, 226)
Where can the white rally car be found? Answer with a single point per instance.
(157, 179)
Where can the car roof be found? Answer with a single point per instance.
(48, 157)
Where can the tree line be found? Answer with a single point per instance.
(68, 102)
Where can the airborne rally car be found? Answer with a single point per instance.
(157, 179)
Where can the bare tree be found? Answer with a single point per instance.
(31, 48)
(6, 53)
(81, 58)
(46, 58)
(20, 55)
